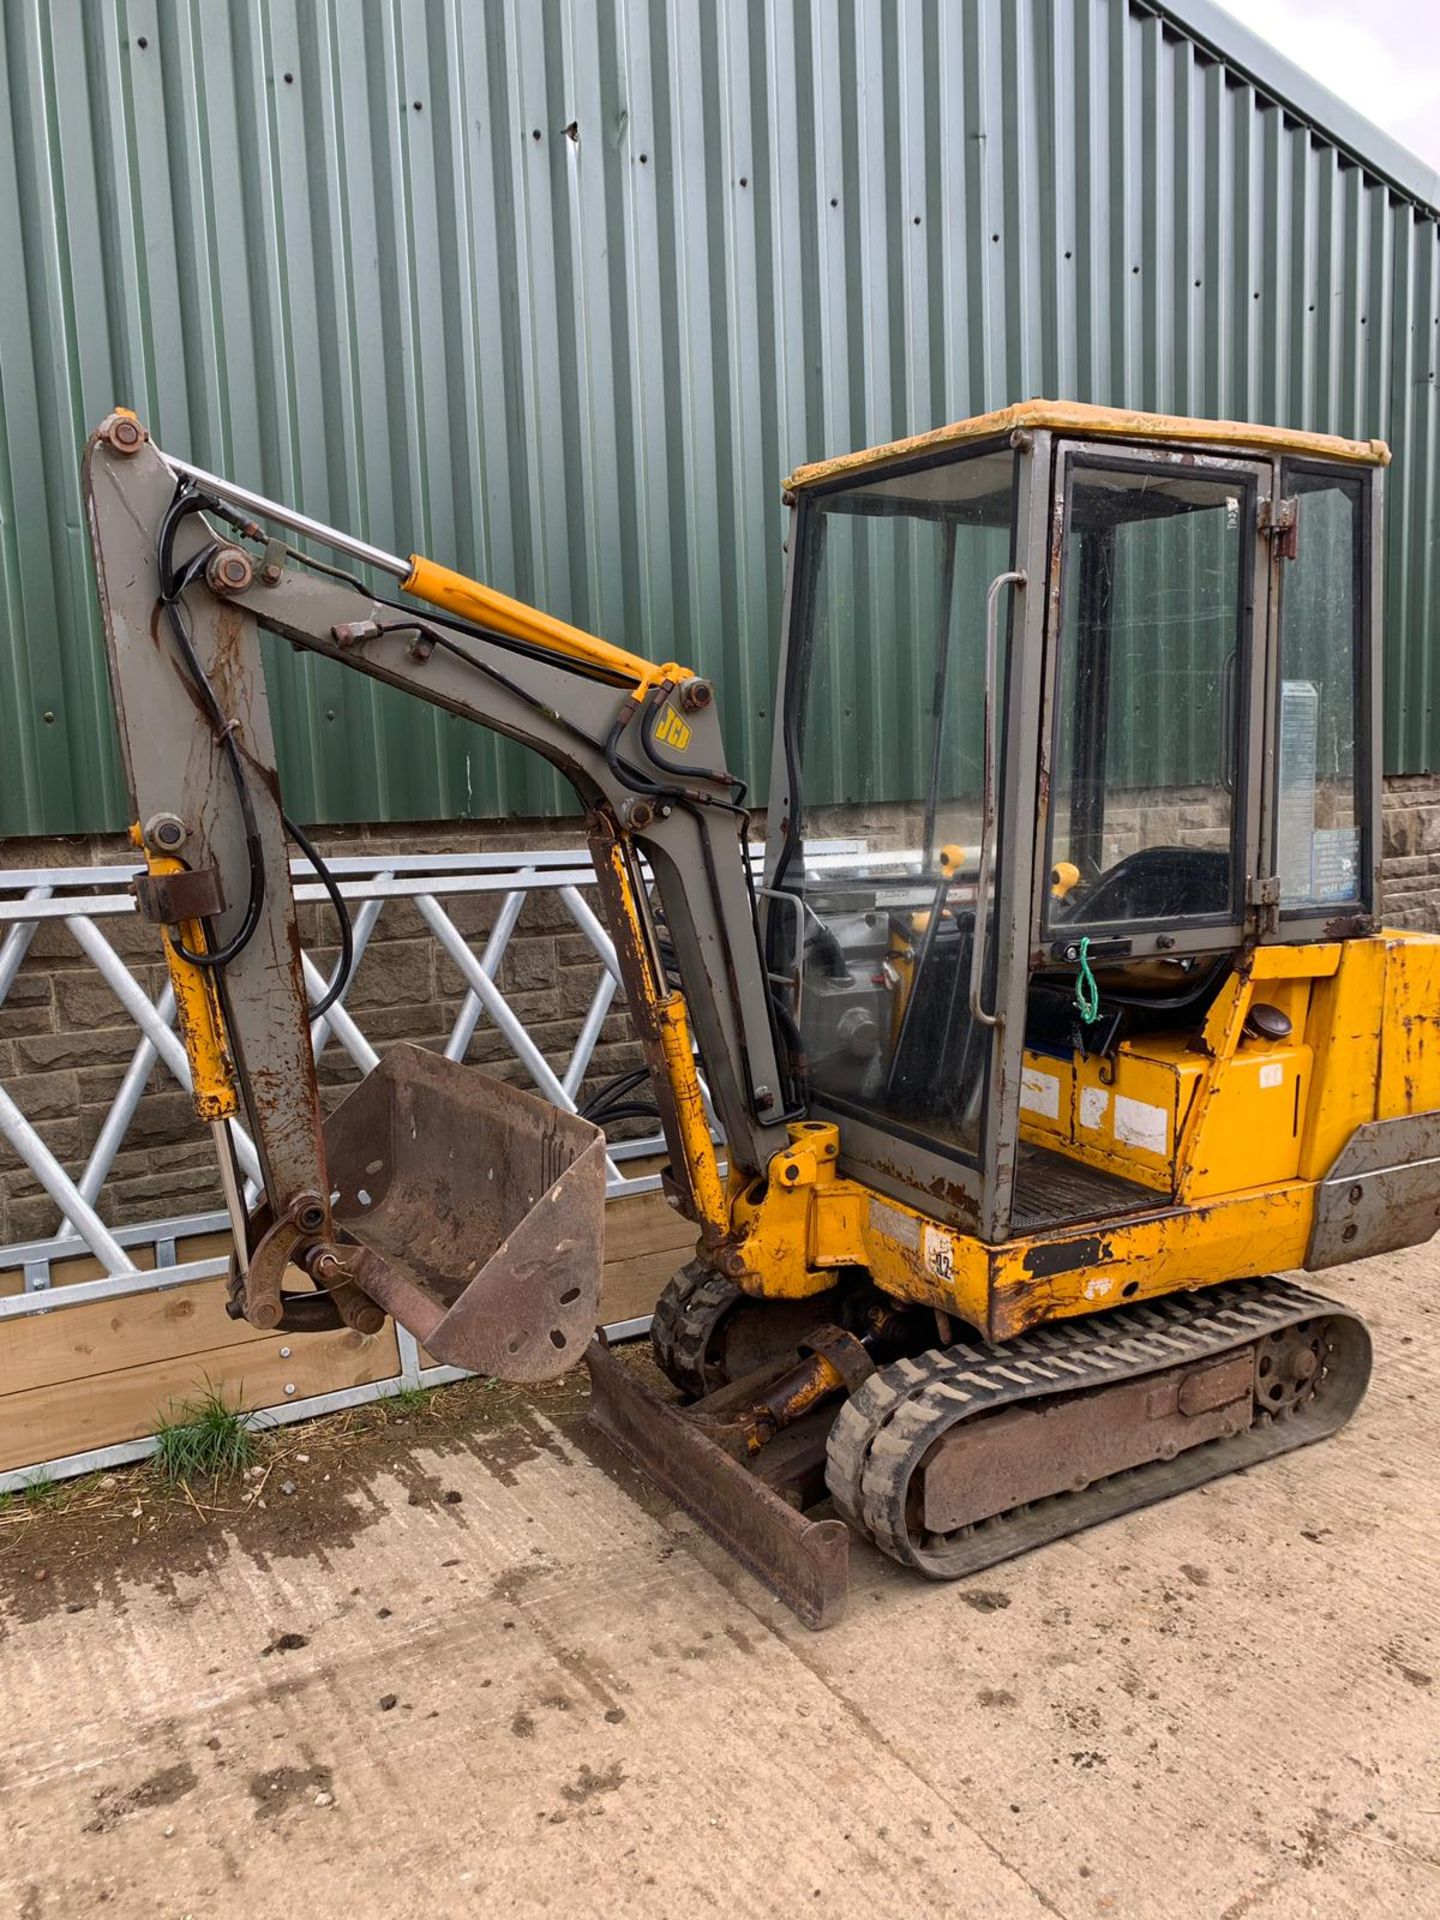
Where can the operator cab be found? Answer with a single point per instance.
(1078, 706)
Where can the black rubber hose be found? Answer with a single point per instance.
(340, 978)
(171, 588)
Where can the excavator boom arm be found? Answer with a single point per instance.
(186, 583)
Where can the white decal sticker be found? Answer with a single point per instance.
(1097, 1289)
(1140, 1125)
(903, 1228)
(939, 1254)
(1040, 1092)
(1094, 1104)
(1272, 1074)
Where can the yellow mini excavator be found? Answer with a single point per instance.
(1058, 1020)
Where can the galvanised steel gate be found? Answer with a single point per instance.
(84, 899)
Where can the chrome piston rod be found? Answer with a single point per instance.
(257, 504)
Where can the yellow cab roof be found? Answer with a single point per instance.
(1072, 417)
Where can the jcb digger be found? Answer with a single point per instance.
(1057, 1020)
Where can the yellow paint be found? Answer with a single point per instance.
(1253, 1127)
(1047, 1099)
(671, 731)
(1070, 417)
(197, 1012)
(801, 1221)
(1410, 1048)
(699, 1150)
(1136, 1258)
(664, 1017)
(1249, 1125)
(1137, 1106)
(900, 959)
(1344, 1032)
(457, 593)
(793, 1238)
(1297, 963)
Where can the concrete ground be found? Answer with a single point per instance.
(547, 1696)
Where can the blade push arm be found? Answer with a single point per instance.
(183, 601)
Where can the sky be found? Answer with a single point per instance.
(1381, 56)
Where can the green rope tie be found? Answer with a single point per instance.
(1087, 994)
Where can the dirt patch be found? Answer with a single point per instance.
(513, 1446)
(587, 1783)
(94, 1540)
(281, 1788)
(162, 1789)
(1396, 1661)
(286, 1643)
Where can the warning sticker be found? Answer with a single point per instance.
(1094, 1105)
(903, 1228)
(1272, 1074)
(1040, 1093)
(1139, 1124)
(939, 1254)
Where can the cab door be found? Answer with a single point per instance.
(903, 800)
(1148, 832)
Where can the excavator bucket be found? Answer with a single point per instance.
(479, 1211)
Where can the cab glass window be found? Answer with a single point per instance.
(1318, 815)
(1153, 634)
(888, 934)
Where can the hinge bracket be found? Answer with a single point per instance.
(1280, 523)
(1263, 891)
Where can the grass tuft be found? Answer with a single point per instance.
(410, 1399)
(203, 1438)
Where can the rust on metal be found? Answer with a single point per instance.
(229, 570)
(805, 1562)
(476, 1211)
(170, 898)
(831, 1361)
(123, 431)
(1029, 1453)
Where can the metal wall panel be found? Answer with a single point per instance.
(557, 290)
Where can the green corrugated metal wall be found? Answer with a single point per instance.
(558, 289)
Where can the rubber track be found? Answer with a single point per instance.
(705, 1309)
(665, 1318)
(685, 1318)
(884, 1431)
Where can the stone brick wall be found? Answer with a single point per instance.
(65, 1043)
(1411, 873)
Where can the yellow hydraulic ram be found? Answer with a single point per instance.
(197, 1010)
(443, 587)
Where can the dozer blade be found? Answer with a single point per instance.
(479, 1211)
(805, 1562)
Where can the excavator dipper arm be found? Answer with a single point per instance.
(187, 578)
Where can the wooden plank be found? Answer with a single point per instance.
(646, 1241)
(107, 1336)
(89, 1376)
(74, 1416)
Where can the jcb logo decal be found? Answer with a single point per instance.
(672, 731)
